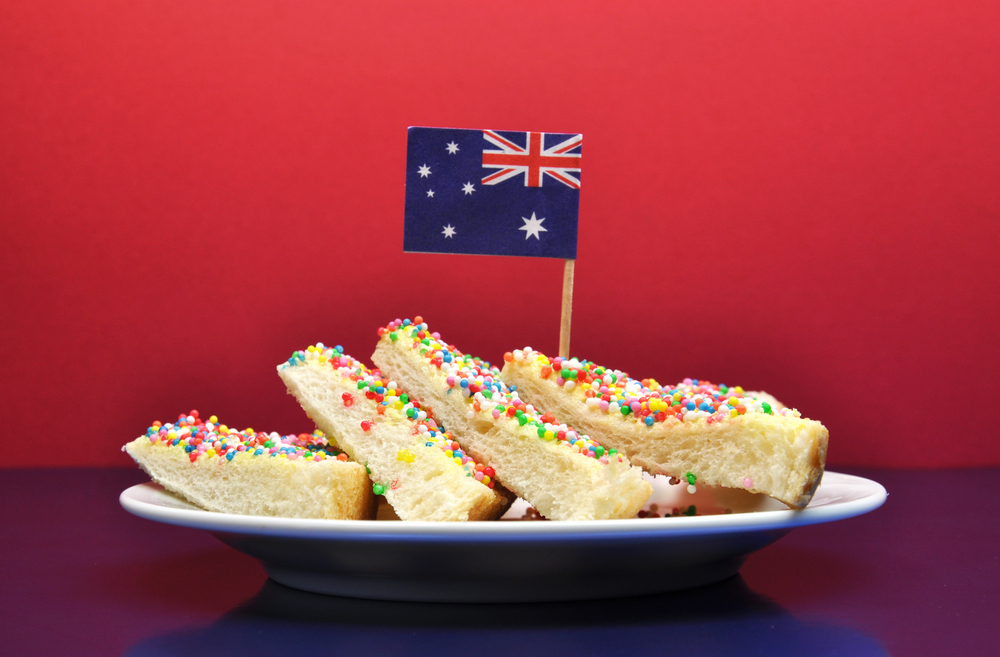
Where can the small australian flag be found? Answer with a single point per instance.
(492, 192)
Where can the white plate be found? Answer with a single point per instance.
(510, 561)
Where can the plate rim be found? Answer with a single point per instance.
(314, 528)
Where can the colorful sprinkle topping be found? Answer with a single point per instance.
(199, 438)
(390, 400)
(647, 402)
(486, 395)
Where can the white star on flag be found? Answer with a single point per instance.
(449, 231)
(424, 171)
(533, 226)
(430, 193)
(452, 148)
(468, 188)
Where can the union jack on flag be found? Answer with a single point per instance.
(534, 160)
(464, 192)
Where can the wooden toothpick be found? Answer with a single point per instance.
(567, 308)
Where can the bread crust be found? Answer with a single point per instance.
(260, 486)
(420, 481)
(560, 483)
(778, 455)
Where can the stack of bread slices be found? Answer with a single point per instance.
(445, 436)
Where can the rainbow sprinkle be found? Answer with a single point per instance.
(480, 385)
(212, 439)
(391, 400)
(646, 402)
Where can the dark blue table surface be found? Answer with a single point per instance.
(80, 576)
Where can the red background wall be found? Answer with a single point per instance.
(794, 196)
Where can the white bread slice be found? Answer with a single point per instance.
(274, 480)
(759, 445)
(368, 416)
(494, 426)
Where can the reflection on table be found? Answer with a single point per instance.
(724, 619)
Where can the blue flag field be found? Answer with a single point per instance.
(492, 192)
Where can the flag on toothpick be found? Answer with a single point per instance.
(492, 192)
